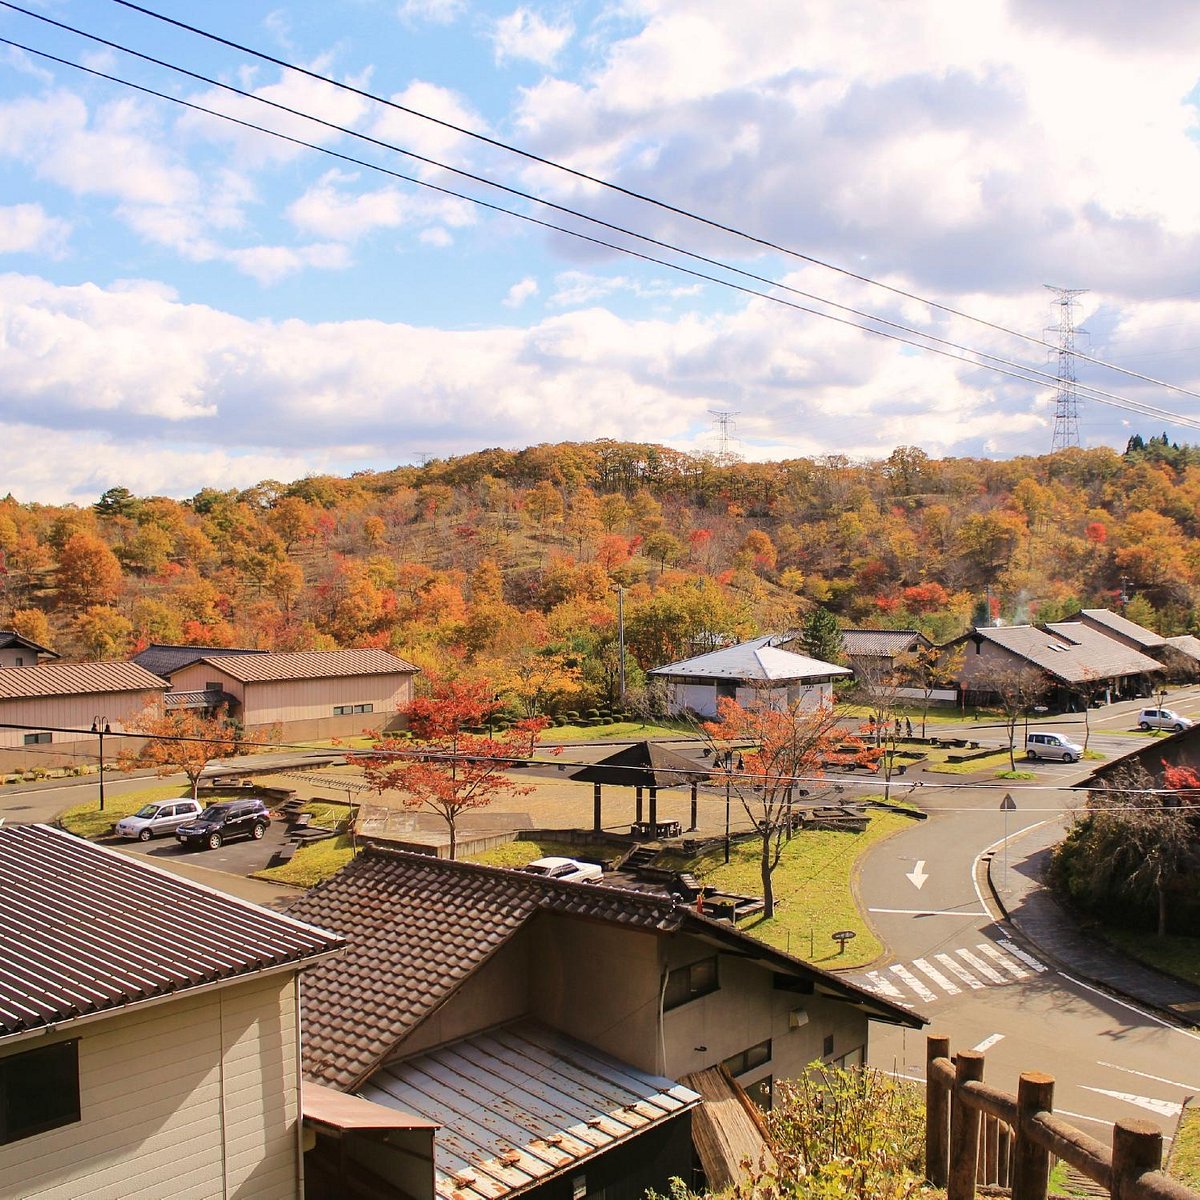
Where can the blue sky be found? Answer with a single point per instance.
(185, 303)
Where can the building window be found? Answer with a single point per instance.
(39, 1090)
(827, 1048)
(748, 1059)
(361, 708)
(38, 739)
(690, 982)
(342, 710)
(20, 661)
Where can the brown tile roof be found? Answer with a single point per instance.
(881, 643)
(79, 932)
(309, 664)
(417, 927)
(76, 679)
(1070, 651)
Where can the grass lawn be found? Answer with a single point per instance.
(88, 821)
(311, 864)
(518, 854)
(1184, 1162)
(1174, 954)
(936, 763)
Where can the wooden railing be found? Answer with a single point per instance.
(977, 1135)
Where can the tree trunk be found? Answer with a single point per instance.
(1162, 910)
(453, 839)
(765, 865)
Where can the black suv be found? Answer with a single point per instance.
(220, 822)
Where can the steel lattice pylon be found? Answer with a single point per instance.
(1066, 412)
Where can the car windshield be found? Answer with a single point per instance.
(147, 811)
(214, 812)
(534, 869)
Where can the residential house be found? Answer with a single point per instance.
(1076, 663)
(18, 651)
(875, 651)
(149, 1032)
(750, 672)
(543, 1024)
(50, 714)
(308, 694)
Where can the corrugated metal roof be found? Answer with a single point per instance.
(75, 679)
(522, 1103)
(1071, 651)
(308, 664)
(751, 661)
(417, 927)
(85, 929)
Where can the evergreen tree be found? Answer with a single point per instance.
(821, 636)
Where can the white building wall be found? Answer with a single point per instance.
(194, 1099)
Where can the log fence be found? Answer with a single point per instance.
(978, 1136)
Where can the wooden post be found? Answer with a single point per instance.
(991, 1151)
(937, 1113)
(1030, 1163)
(1136, 1149)
(596, 789)
(1004, 1158)
(695, 805)
(964, 1129)
(654, 808)
(637, 792)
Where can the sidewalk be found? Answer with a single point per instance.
(1038, 916)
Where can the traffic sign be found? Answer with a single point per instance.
(1008, 804)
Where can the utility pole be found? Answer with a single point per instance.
(1066, 410)
(725, 425)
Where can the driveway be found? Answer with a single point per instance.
(240, 857)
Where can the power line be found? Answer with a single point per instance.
(969, 356)
(608, 185)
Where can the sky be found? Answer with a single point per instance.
(190, 302)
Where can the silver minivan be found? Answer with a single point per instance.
(1052, 745)
(157, 818)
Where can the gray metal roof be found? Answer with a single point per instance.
(1070, 651)
(522, 1103)
(1185, 644)
(1121, 626)
(80, 931)
(755, 660)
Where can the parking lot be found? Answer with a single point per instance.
(240, 857)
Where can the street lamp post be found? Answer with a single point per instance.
(100, 727)
(728, 784)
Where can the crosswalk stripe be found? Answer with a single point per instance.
(979, 965)
(1024, 955)
(1007, 963)
(886, 987)
(936, 975)
(912, 982)
(958, 969)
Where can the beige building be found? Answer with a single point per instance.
(18, 651)
(149, 1031)
(309, 694)
(48, 712)
(511, 981)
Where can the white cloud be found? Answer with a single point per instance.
(520, 292)
(435, 12)
(430, 138)
(525, 34)
(27, 229)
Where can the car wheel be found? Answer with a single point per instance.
(145, 835)
(214, 841)
(258, 831)
(1144, 726)
(1068, 758)
(1031, 755)
(1179, 728)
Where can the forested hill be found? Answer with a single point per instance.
(506, 563)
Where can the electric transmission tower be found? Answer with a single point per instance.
(1066, 412)
(725, 426)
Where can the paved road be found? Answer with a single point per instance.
(950, 959)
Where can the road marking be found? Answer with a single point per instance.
(917, 875)
(1023, 955)
(929, 912)
(936, 976)
(1187, 1087)
(885, 986)
(912, 982)
(952, 964)
(979, 965)
(1163, 1108)
(1003, 959)
(1141, 1012)
(988, 1043)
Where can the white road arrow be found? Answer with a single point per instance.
(917, 874)
(1164, 1108)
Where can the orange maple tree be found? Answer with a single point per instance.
(180, 742)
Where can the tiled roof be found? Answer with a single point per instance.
(164, 660)
(78, 934)
(881, 643)
(417, 927)
(11, 640)
(75, 679)
(751, 661)
(535, 1104)
(1070, 651)
(1185, 644)
(644, 764)
(309, 664)
(1122, 626)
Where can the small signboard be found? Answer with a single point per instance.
(1008, 804)
(842, 936)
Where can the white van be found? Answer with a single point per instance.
(1052, 745)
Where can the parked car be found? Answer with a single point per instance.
(158, 817)
(565, 868)
(1039, 744)
(1163, 718)
(218, 823)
